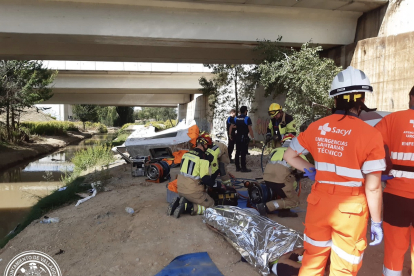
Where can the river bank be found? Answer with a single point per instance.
(12, 155)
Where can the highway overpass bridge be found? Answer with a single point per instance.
(183, 31)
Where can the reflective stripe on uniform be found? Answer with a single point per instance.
(404, 174)
(200, 210)
(297, 147)
(373, 166)
(342, 171)
(284, 163)
(402, 156)
(317, 243)
(345, 183)
(189, 175)
(389, 272)
(352, 259)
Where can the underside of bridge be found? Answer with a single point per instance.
(125, 88)
(169, 30)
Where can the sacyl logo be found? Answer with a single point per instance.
(412, 122)
(324, 129)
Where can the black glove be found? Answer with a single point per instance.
(268, 138)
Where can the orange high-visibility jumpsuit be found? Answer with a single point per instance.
(397, 130)
(337, 213)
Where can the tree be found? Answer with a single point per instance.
(126, 115)
(230, 87)
(86, 112)
(157, 113)
(303, 76)
(22, 84)
(107, 115)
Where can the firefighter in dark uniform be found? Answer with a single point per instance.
(244, 127)
(280, 124)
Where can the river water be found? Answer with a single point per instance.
(21, 186)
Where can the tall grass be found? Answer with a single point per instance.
(49, 128)
(97, 155)
(101, 128)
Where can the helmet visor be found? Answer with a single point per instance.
(273, 112)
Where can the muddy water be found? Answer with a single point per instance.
(21, 186)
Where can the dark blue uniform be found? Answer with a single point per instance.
(231, 121)
(242, 140)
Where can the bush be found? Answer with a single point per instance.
(97, 155)
(93, 126)
(49, 128)
(160, 125)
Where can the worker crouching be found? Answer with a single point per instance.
(194, 174)
(280, 178)
(219, 153)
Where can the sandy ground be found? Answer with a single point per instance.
(15, 154)
(100, 238)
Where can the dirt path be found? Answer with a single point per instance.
(100, 238)
(13, 155)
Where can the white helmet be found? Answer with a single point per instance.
(348, 81)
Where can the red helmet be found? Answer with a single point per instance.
(288, 136)
(205, 139)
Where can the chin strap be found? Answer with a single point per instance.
(365, 108)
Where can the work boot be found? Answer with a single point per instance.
(237, 169)
(173, 205)
(231, 161)
(261, 207)
(286, 213)
(245, 170)
(183, 205)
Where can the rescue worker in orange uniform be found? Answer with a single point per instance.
(349, 157)
(397, 130)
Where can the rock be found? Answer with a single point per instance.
(137, 259)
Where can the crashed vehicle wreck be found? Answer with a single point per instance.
(259, 240)
(144, 141)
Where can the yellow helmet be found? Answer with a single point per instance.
(274, 108)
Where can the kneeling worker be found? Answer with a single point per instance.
(279, 177)
(219, 153)
(194, 174)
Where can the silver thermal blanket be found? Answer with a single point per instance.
(258, 239)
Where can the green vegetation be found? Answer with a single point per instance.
(97, 155)
(22, 84)
(101, 128)
(49, 128)
(160, 125)
(303, 76)
(156, 113)
(85, 112)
